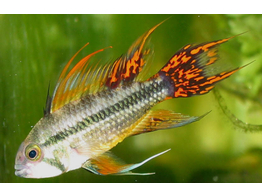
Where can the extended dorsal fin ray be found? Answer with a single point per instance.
(129, 66)
(73, 84)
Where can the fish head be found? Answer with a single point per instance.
(30, 162)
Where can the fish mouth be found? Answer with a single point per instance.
(21, 170)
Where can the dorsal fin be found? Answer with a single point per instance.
(48, 102)
(128, 66)
(83, 79)
(76, 82)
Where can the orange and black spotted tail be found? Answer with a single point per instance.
(191, 71)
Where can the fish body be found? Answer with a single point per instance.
(94, 108)
(101, 121)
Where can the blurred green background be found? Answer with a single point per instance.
(222, 147)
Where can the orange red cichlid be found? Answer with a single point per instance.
(94, 108)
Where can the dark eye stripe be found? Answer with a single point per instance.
(55, 162)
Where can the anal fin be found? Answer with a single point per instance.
(163, 119)
(108, 163)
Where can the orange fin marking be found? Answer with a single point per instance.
(128, 67)
(191, 71)
(105, 164)
(72, 86)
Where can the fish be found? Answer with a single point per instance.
(94, 107)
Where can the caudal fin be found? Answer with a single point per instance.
(191, 71)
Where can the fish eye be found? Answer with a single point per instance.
(33, 152)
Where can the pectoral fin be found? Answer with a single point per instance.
(108, 163)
